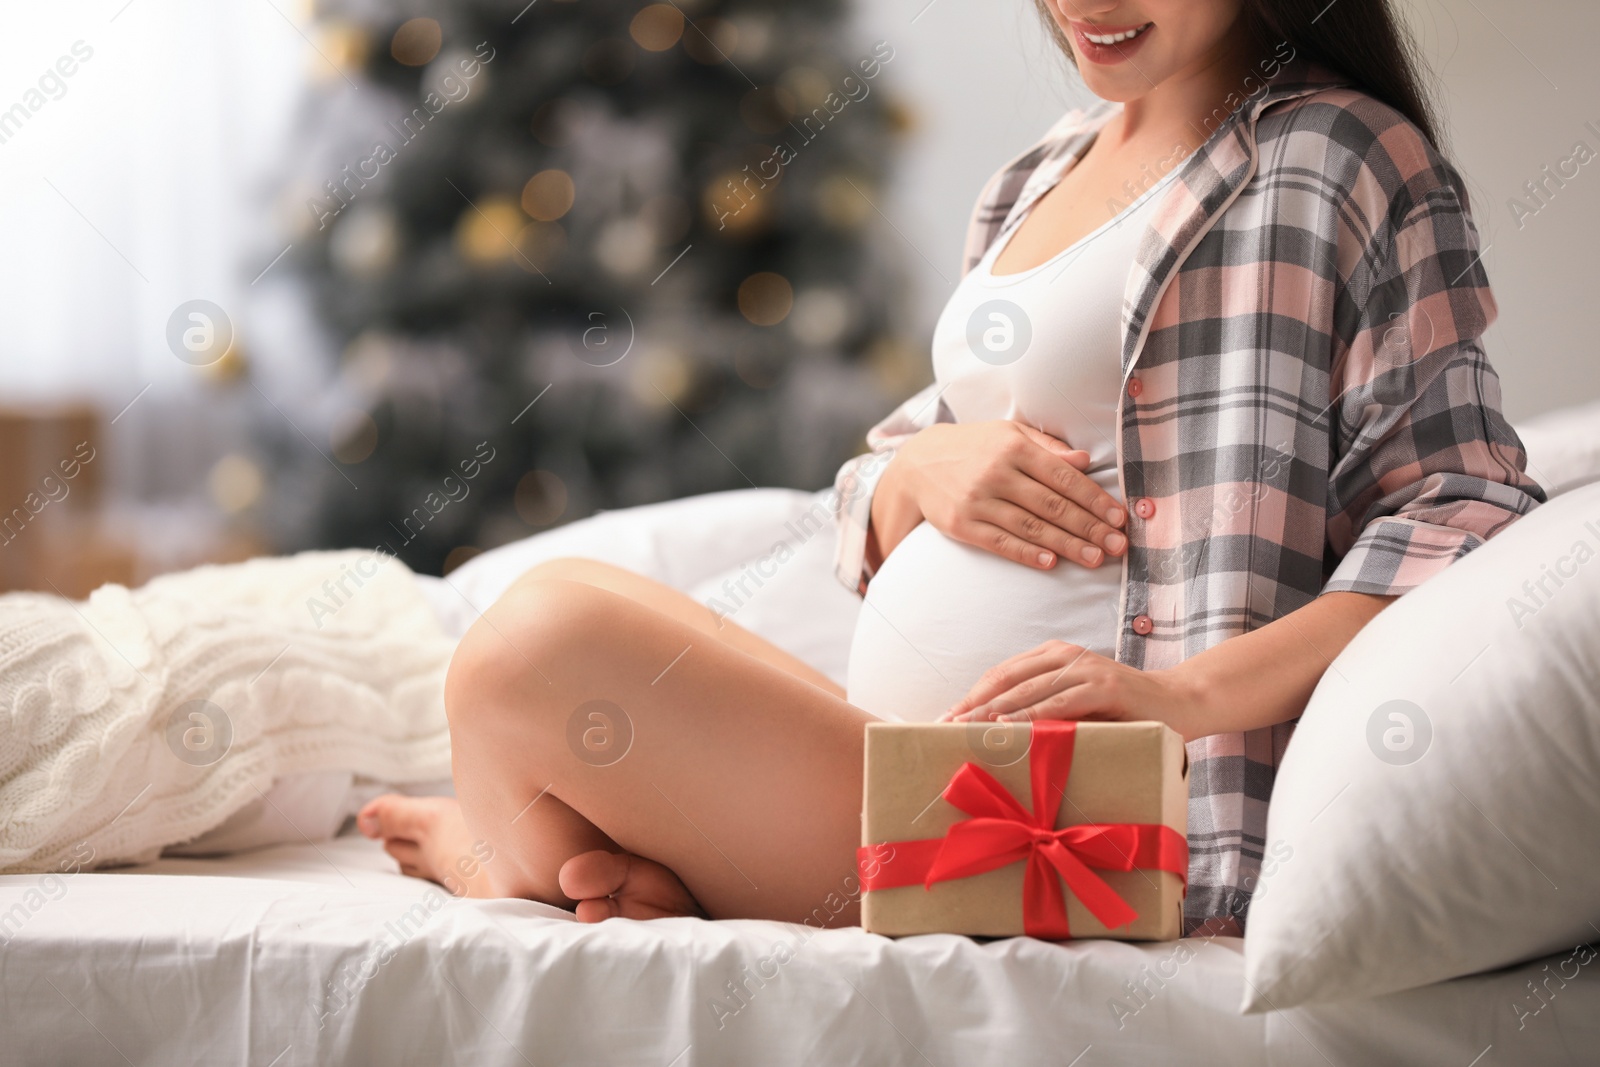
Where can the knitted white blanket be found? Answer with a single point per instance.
(141, 719)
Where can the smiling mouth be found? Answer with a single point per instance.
(1115, 38)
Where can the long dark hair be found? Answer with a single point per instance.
(1361, 40)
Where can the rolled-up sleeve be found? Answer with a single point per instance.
(1426, 467)
(857, 480)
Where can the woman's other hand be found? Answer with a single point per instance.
(1003, 487)
(1062, 681)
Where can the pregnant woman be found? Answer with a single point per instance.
(1209, 395)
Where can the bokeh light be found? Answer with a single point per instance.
(541, 498)
(486, 232)
(235, 483)
(839, 201)
(344, 45)
(548, 195)
(822, 315)
(734, 205)
(809, 86)
(661, 376)
(625, 246)
(765, 298)
(353, 436)
(657, 28)
(416, 42)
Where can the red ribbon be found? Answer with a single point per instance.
(1001, 831)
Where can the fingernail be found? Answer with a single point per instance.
(1115, 542)
(1116, 516)
(1091, 555)
(1045, 559)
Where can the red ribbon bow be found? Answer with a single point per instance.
(1000, 831)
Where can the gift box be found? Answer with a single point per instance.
(1052, 829)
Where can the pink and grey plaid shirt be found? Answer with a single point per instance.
(1306, 405)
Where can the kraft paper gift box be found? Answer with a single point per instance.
(953, 841)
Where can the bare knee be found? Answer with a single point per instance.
(530, 650)
(572, 569)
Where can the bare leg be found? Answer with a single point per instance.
(738, 772)
(668, 601)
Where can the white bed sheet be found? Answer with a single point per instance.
(230, 961)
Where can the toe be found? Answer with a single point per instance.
(375, 815)
(368, 818)
(637, 888)
(406, 853)
(598, 910)
(591, 875)
(653, 891)
(392, 815)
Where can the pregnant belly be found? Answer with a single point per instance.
(939, 613)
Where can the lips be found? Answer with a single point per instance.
(1109, 44)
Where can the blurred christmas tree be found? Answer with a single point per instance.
(626, 245)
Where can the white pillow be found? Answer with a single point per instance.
(1563, 447)
(297, 808)
(762, 557)
(1440, 800)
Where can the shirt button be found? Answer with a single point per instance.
(1144, 507)
(1135, 387)
(1142, 625)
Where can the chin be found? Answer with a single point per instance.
(1118, 88)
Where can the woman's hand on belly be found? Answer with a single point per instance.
(1003, 487)
(1247, 682)
(1058, 680)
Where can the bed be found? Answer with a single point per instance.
(322, 953)
(316, 950)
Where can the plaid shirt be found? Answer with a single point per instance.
(1306, 406)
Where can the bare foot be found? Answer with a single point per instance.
(429, 838)
(607, 884)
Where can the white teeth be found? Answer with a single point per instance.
(1117, 38)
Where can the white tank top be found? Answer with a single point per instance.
(1041, 347)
